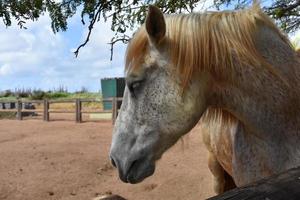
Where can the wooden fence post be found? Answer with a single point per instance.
(19, 110)
(46, 110)
(114, 109)
(78, 111)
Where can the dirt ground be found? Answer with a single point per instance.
(62, 160)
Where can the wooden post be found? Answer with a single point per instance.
(46, 110)
(114, 109)
(78, 111)
(19, 110)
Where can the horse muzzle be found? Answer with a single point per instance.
(133, 170)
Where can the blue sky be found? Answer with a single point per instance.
(37, 58)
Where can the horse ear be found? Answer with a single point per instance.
(155, 24)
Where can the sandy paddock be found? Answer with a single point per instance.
(62, 160)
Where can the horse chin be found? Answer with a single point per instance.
(138, 172)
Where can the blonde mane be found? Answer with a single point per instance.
(212, 42)
(209, 41)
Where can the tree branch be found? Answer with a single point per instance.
(287, 8)
(124, 39)
(124, 9)
(90, 28)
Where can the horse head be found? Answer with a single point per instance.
(157, 108)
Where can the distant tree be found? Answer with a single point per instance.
(126, 14)
(61, 89)
(82, 90)
(38, 95)
(7, 93)
(22, 93)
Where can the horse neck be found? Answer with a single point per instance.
(261, 100)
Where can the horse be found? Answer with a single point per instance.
(232, 72)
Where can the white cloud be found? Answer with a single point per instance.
(204, 5)
(38, 58)
(5, 70)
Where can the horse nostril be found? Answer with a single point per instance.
(133, 164)
(113, 162)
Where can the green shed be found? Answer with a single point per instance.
(112, 87)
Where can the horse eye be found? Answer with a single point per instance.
(134, 86)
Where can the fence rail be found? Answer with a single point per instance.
(278, 187)
(47, 108)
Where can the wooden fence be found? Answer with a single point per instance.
(47, 107)
(283, 186)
